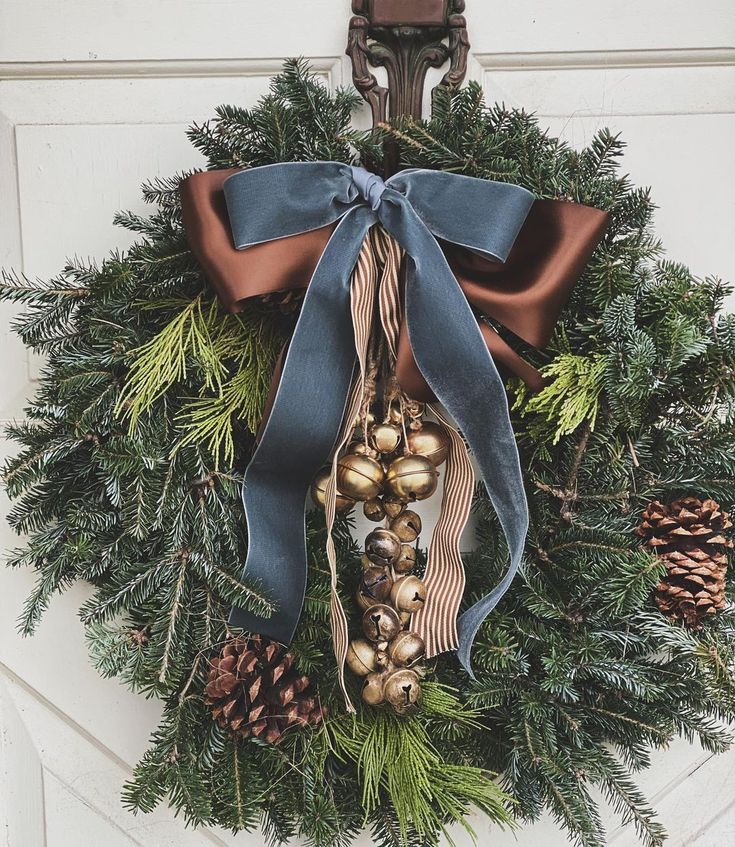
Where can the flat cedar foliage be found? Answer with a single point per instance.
(131, 457)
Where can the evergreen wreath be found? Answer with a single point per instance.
(132, 456)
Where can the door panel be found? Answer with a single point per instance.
(95, 98)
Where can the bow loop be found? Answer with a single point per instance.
(278, 201)
(478, 214)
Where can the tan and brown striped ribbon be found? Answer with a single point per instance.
(444, 577)
(390, 256)
(362, 298)
(436, 622)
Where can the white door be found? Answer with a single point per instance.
(95, 97)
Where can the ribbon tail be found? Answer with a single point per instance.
(300, 434)
(444, 578)
(462, 374)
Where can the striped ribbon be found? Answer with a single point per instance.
(378, 269)
(362, 304)
(436, 622)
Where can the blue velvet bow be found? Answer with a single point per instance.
(416, 207)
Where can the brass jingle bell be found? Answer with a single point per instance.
(385, 437)
(382, 659)
(414, 409)
(402, 689)
(406, 649)
(364, 420)
(409, 478)
(405, 619)
(373, 510)
(363, 601)
(359, 477)
(376, 584)
(430, 441)
(393, 508)
(382, 547)
(360, 657)
(407, 526)
(407, 560)
(408, 594)
(372, 689)
(381, 623)
(319, 492)
(360, 448)
(395, 415)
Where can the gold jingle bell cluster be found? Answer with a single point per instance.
(393, 464)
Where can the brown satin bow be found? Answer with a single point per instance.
(526, 293)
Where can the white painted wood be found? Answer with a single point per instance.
(21, 781)
(41, 30)
(94, 98)
(83, 777)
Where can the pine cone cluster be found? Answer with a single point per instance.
(689, 534)
(255, 690)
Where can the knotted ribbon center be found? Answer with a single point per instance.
(370, 186)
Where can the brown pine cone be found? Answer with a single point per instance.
(255, 690)
(689, 534)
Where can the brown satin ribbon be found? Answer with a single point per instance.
(526, 293)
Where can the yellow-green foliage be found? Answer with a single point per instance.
(230, 358)
(396, 757)
(571, 398)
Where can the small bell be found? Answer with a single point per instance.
(405, 619)
(376, 584)
(361, 657)
(393, 508)
(319, 492)
(414, 409)
(430, 441)
(364, 420)
(363, 601)
(395, 416)
(382, 658)
(372, 689)
(408, 594)
(406, 649)
(409, 478)
(385, 437)
(381, 623)
(406, 562)
(402, 689)
(360, 448)
(359, 477)
(373, 510)
(407, 525)
(382, 547)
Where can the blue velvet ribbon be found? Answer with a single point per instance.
(416, 207)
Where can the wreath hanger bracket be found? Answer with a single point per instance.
(406, 37)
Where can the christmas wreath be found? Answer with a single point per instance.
(612, 640)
